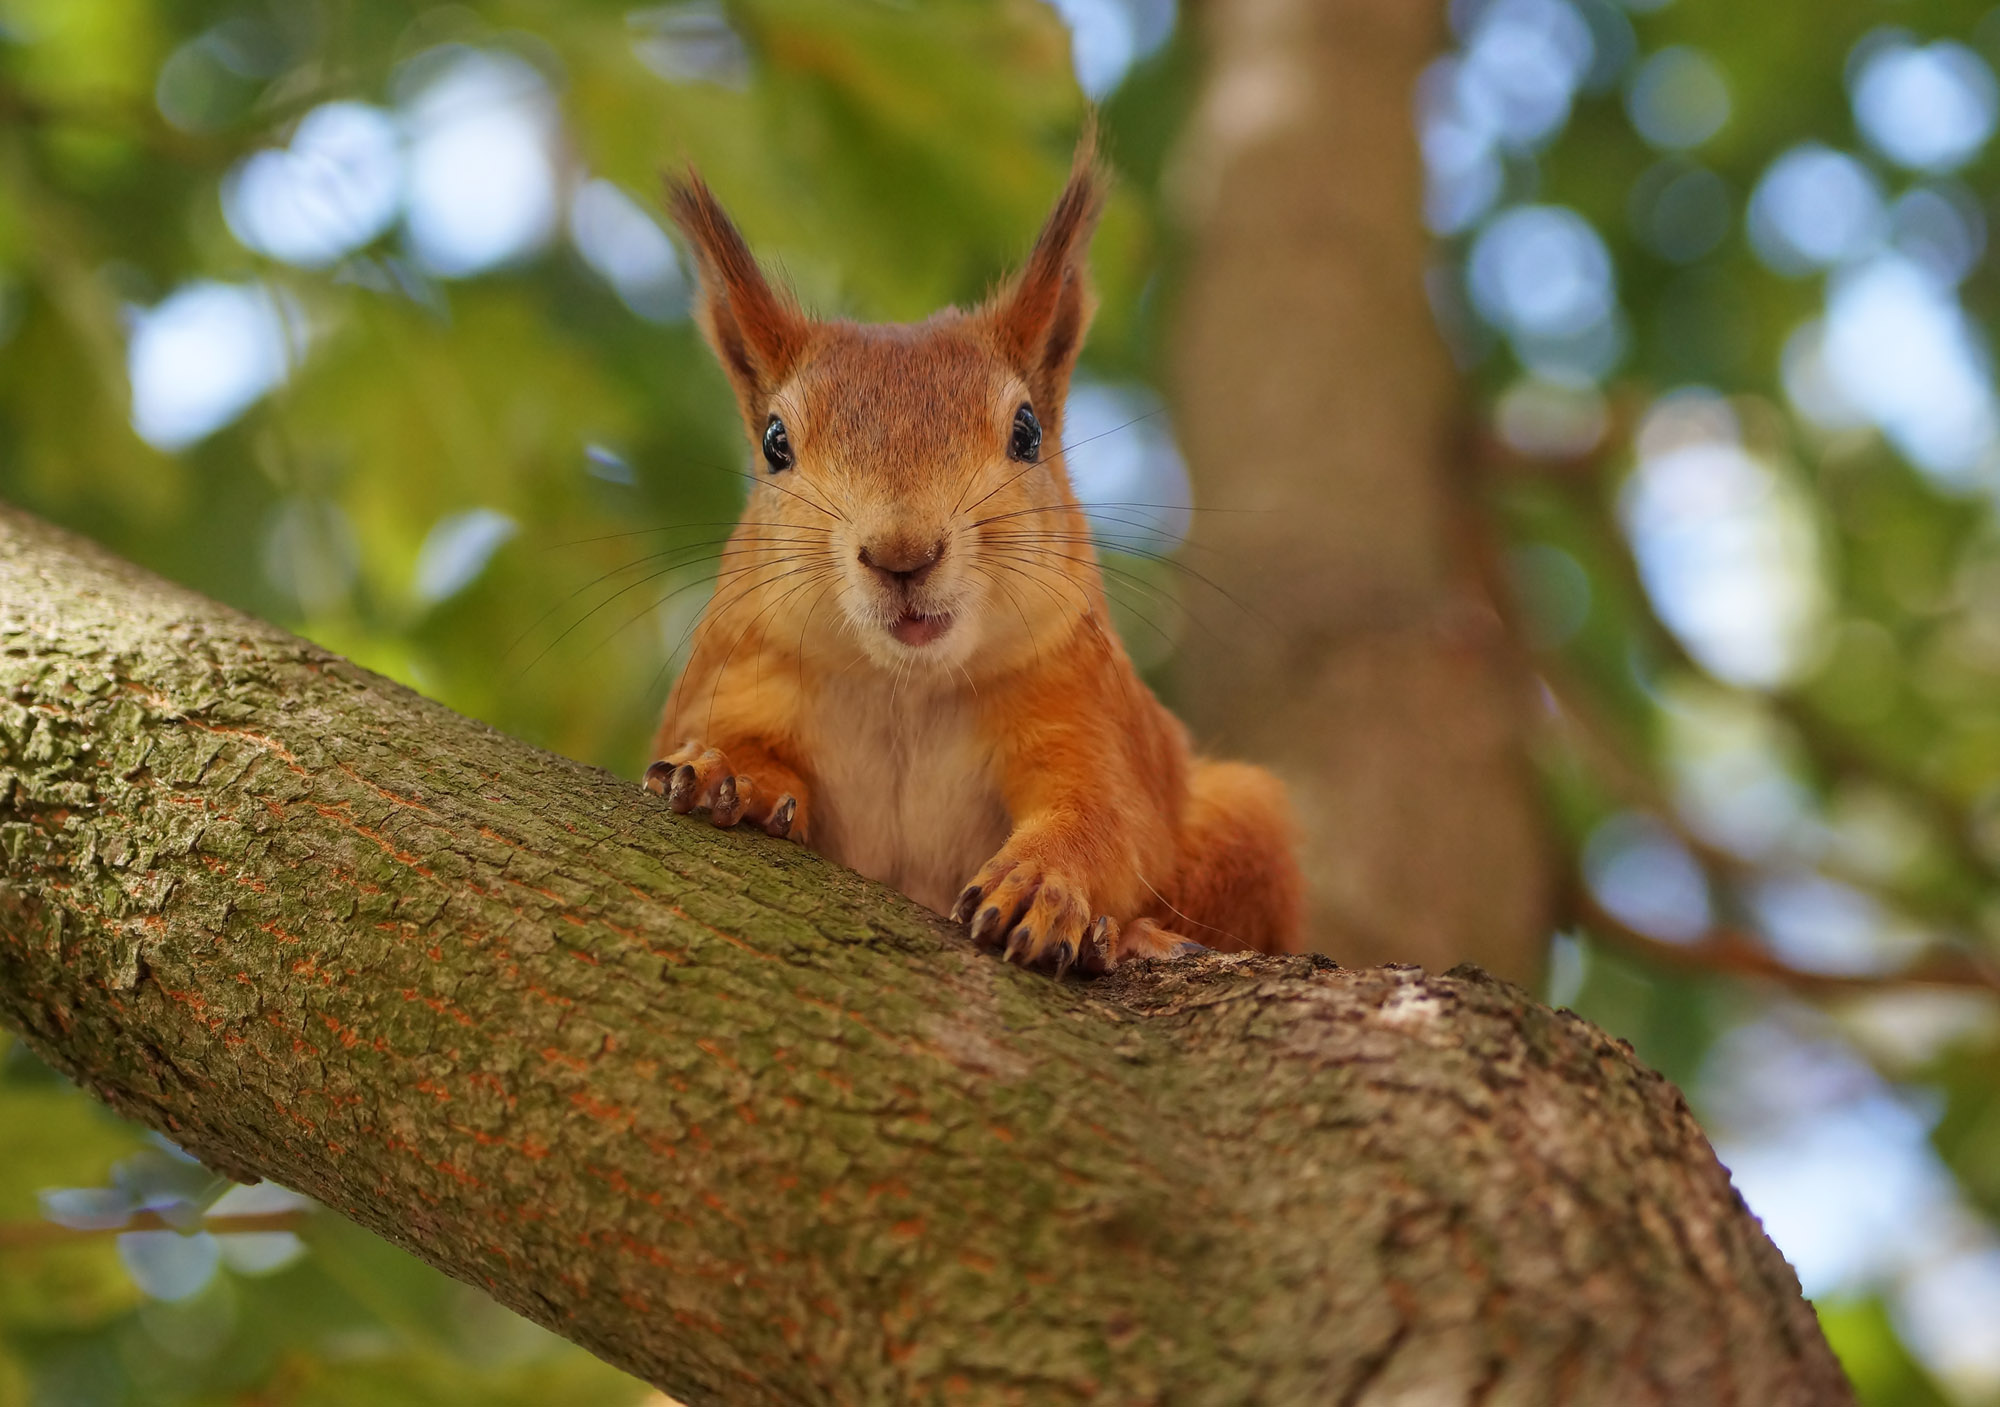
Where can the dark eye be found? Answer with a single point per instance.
(777, 445)
(1026, 444)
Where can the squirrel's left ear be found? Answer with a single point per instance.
(1040, 318)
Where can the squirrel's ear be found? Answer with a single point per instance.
(756, 331)
(1040, 318)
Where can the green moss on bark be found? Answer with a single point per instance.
(763, 1132)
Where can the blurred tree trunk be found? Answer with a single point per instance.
(1313, 391)
(764, 1133)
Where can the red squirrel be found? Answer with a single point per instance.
(908, 663)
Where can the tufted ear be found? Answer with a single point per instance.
(1039, 319)
(757, 332)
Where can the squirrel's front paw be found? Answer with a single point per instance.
(695, 777)
(1035, 916)
(1039, 919)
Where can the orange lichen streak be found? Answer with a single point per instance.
(908, 663)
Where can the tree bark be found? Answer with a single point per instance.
(1318, 408)
(762, 1132)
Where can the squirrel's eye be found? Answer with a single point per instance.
(1026, 444)
(777, 445)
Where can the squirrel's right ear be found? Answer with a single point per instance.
(756, 331)
(1040, 319)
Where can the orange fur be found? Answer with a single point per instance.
(908, 662)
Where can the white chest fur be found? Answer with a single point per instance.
(903, 785)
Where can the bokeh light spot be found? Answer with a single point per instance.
(629, 250)
(1821, 925)
(1124, 467)
(1551, 420)
(690, 43)
(1646, 878)
(311, 554)
(1732, 779)
(1541, 271)
(1523, 62)
(456, 551)
(1541, 274)
(1815, 207)
(1108, 36)
(1728, 549)
(1899, 349)
(336, 187)
(1680, 211)
(482, 166)
(1941, 228)
(1950, 1311)
(204, 355)
(1678, 99)
(1929, 107)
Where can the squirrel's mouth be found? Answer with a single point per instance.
(918, 630)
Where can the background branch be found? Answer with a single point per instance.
(1730, 952)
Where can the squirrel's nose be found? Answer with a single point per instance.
(901, 562)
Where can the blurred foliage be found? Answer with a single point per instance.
(502, 480)
(1672, 480)
(1881, 1369)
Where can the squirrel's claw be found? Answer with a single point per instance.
(681, 789)
(779, 823)
(1019, 943)
(695, 777)
(986, 928)
(1096, 953)
(1065, 958)
(1033, 916)
(968, 902)
(1038, 918)
(732, 796)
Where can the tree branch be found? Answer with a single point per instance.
(1729, 952)
(762, 1132)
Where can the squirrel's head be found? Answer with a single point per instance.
(917, 467)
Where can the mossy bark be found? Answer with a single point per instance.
(762, 1132)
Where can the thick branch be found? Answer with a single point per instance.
(764, 1133)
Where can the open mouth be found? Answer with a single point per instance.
(914, 629)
